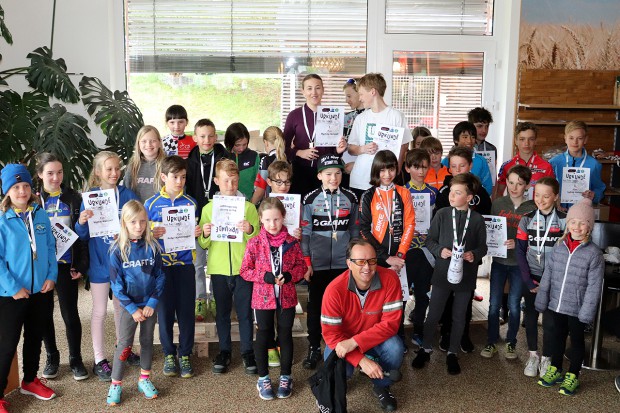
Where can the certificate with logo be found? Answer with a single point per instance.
(292, 204)
(423, 212)
(489, 156)
(65, 237)
(105, 221)
(329, 125)
(228, 211)
(497, 235)
(179, 223)
(574, 182)
(389, 137)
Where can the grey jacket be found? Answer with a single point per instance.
(572, 282)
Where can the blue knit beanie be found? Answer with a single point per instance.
(12, 174)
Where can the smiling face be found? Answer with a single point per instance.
(516, 186)
(352, 97)
(366, 96)
(459, 165)
(280, 184)
(458, 196)
(109, 173)
(177, 126)
(466, 140)
(330, 178)
(544, 198)
(52, 176)
(362, 275)
(387, 175)
(136, 225)
(579, 229)
(272, 220)
(149, 145)
(526, 142)
(20, 194)
(575, 141)
(205, 138)
(312, 90)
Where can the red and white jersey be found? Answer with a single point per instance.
(539, 167)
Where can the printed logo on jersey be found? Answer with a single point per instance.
(326, 224)
(139, 263)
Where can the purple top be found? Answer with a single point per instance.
(295, 136)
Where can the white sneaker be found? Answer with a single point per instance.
(531, 367)
(545, 362)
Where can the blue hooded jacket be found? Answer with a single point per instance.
(99, 247)
(18, 269)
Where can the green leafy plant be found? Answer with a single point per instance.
(29, 124)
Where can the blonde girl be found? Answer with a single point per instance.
(137, 280)
(144, 164)
(105, 175)
(273, 138)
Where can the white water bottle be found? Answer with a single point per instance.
(455, 270)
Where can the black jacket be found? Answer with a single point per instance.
(194, 183)
(481, 202)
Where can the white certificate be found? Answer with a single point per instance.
(489, 156)
(575, 181)
(423, 212)
(329, 125)
(65, 237)
(497, 235)
(389, 137)
(180, 223)
(404, 284)
(292, 204)
(105, 221)
(228, 211)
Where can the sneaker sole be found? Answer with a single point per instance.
(280, 396)
(511, 356)
(171, 374)
(531, 375)
(104, 379)
(274, 364)
(80, 378)
(219, 371)
(487, 355)
(261, 396)
(187, 375)
(29, 393)
(112, 404)
(547, 385)
(154, 396)
(49, 376)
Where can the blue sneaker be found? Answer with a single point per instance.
(146, 387)
(170, 366)
(285, 388)
(265, 391)
(187, 370)
(114, 395)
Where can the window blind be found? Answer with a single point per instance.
(259, 36)
(456, 17)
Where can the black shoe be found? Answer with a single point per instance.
(103, 370)
(444, 343)
(221, 362)
(453, 364)
(313, 357)
(249, 363)
(466, 345)
(51, 365)
(421, 359)
(78, 369)
(386, 399)
(133, 359)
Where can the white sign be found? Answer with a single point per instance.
(179, 222)
(329, 125)
(497, 235)
(105, 221)
(489, 156)
(228, 212)
(574, 182)
(292, 204)
(389, 137)
(404, 284)
(65, 237)
(423, 212)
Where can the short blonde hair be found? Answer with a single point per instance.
(373, 81)
(228, 166)
(574, 125)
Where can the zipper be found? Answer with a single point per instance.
(570, 255)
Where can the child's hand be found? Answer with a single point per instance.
(280, 280)
(297, 233)
(138, 317)
(159, 232)
(148, 311)
(370, 148)
(396, 263)
(197, 231)
(85, 216)
(23, 293)
(534, 290)
(468, 256)
(446, 253)
(342, 145)
(309, 154)
(75, 274)
(510, 244)
(48, 286)
(308, 274)
(245, 226)
(206, 230)
(588, 194)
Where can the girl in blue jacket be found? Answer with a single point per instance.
(137, 280)
(28, 273)
(105, 175)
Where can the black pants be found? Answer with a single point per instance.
(419, 272)
(33, 314)
(531, 324)
(559, 327)
(316, 288)
(446, 317)
(437, 306)
(264, 337)
(67, 290)
(304, 178)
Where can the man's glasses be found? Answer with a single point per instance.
(281, 183)
(360, 262)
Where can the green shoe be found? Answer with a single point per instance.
(201, 309)
(511, 351)
(489, 351)
(551, 377)
(170, 366)
(570, 384)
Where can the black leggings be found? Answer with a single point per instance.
(446, 317)
(264, 338)
(558, 329)
(316, 288)
(67, 290)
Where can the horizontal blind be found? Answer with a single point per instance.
(456, 17)
(257, 36)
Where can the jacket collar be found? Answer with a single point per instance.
(375, 283)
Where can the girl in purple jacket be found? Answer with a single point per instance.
(274, 262)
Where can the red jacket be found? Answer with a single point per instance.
(342, 316)
(256, 262)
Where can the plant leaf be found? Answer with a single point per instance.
(65, 134)
(50, 76)
(4, 31)
(118, 116)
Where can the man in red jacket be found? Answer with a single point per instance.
(360, 316)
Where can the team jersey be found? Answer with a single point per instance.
(418, 241)
(539, 167)
(178, 145)
(436, 178)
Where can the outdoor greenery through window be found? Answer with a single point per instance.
(240, 61)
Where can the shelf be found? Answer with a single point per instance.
(560, 122)
(553, 106)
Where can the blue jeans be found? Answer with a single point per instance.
(389, 354)
(499, 274)
(226, 290)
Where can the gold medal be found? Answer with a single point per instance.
(335, 236)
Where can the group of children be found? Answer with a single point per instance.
(430, 230)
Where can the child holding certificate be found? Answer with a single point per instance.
(537, 234)
(419, 262)
(104, 176)
(224, 264)
(63, 207)
(273, 139)
(569, 294)
(236, 140)
(143, 166)
(457, 239)
(177, 299)
(137, 280)
(273, 263)
(512, 206)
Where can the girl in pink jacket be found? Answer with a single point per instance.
(274, 262)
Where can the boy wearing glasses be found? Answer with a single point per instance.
(329, 221)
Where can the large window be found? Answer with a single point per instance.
(240, 61)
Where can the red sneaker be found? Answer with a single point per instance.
(4, 406)
(37, 389)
